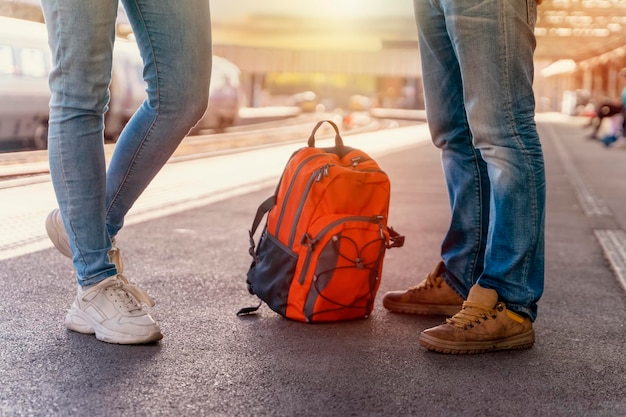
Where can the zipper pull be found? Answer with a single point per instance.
(381, 226)
(307, 240)
(323, 172)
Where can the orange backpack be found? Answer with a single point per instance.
(320, 256)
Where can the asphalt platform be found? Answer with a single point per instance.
(193, 261)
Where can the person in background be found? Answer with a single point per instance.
(174, 40)
(622, 81)
(477, 62)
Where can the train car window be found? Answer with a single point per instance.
(33, 62)
(7, 64)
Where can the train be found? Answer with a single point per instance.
(25, 62)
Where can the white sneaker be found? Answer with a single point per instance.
(112, 310)
(58, 236)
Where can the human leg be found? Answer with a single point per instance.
(494, 42)
(58, 235)
(106, 303)
(494, 45)
(465, 172)
(464, 169)
(81, 38)
(479, 54)
(175, 44)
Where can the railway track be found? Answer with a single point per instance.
(18, 168)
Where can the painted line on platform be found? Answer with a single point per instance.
(613, 244)
(612, 241)
(590, 204)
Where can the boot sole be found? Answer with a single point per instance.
(422, 309)
(520, 341)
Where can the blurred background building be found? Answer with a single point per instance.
(355, 54)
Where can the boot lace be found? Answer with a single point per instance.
(431, 281)
(473, 314)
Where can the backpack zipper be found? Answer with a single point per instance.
(323, 171)
(289, 190)
(316, 176)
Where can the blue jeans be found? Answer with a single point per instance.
(477, 62)
(174, 40)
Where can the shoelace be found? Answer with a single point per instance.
(431, 281)
(473, 314)
(130, 295)
(115, 256)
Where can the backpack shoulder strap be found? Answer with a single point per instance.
(263, 208)
(249, 310)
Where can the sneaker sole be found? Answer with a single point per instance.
(422, 309)
(56, 233)
(78, 321)
(521, 341)
(58, 236)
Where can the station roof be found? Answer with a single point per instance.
(566, 29)
(580, 29)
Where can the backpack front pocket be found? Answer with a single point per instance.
(347, 259)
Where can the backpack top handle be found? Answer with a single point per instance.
(338, 139)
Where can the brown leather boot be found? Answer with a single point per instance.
(483, 325)
(431, 296)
